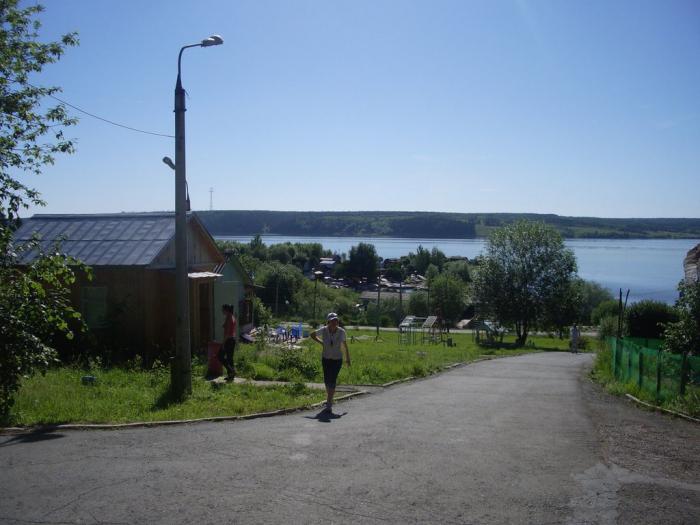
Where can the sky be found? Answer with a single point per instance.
(575, 108)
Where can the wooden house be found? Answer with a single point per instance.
(132, 293)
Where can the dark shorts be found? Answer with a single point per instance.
(331, 369)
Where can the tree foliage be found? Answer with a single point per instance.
(524, 276)
(683, 335)
(362, 262)
(447, 297)
(34, 300)
(34, 308)
(30, 133)
(648, 318)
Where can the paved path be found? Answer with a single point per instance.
(503, 441)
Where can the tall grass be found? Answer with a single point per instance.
(121, 395)
(602, 373)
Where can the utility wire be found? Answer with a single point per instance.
(110, 121)
(98, 117)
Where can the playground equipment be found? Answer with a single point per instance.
(408, 329)
(432, 330)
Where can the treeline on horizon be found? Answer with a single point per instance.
(432, 224)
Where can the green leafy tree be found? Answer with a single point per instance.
(438, 258)
(363, 262)
(592, 295)
(431, 272)
(683, 335)
(35, 308)
(280, 282)
(459, 269)
(523, 275)
(447, 296)
(394, 273)
(418, 304)
(30, 132)
(34, 301)
(565, 307)
(607, 308)
(420, 260)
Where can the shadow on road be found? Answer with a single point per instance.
(45, 433)
(324, 416)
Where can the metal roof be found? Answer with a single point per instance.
(120, 239)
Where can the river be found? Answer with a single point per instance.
(649, 268)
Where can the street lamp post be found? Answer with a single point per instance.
(317, 276)
(181, 373)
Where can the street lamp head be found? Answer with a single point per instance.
(213, 40)
(169, 162)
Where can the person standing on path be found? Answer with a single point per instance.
(227, 349)
(575, 334)
(332, 337)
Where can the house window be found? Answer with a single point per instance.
(93, 305)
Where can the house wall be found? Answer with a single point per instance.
(140, 309)
(229, 289)
(115, 305)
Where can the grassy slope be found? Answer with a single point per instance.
(121, 395)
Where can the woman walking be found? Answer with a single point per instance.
(227, 349)
(332, 337)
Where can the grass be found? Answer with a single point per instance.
(122, 395)
(376, 362)
(602, 373)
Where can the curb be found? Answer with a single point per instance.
(661, 409)
(146, 424)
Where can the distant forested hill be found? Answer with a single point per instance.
(432, 224)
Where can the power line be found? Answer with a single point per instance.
(110, 121)
(97, 116)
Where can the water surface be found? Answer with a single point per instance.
(649, 268)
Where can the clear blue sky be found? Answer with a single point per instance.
(575, 108)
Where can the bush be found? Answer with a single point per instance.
(648, 319)
(607, 327)
(608, 308)
(295, 360)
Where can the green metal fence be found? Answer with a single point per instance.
(661, 374)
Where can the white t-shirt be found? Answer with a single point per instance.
(331, 342)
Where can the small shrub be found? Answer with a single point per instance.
(296, 360)
(648, 319)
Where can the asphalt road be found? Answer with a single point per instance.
(505, 441)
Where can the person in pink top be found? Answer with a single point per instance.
(227, 349)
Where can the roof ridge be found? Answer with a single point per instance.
(101, 215)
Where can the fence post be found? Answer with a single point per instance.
(629, 364)
(658, 375)
(684, 372)
(641, 369)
